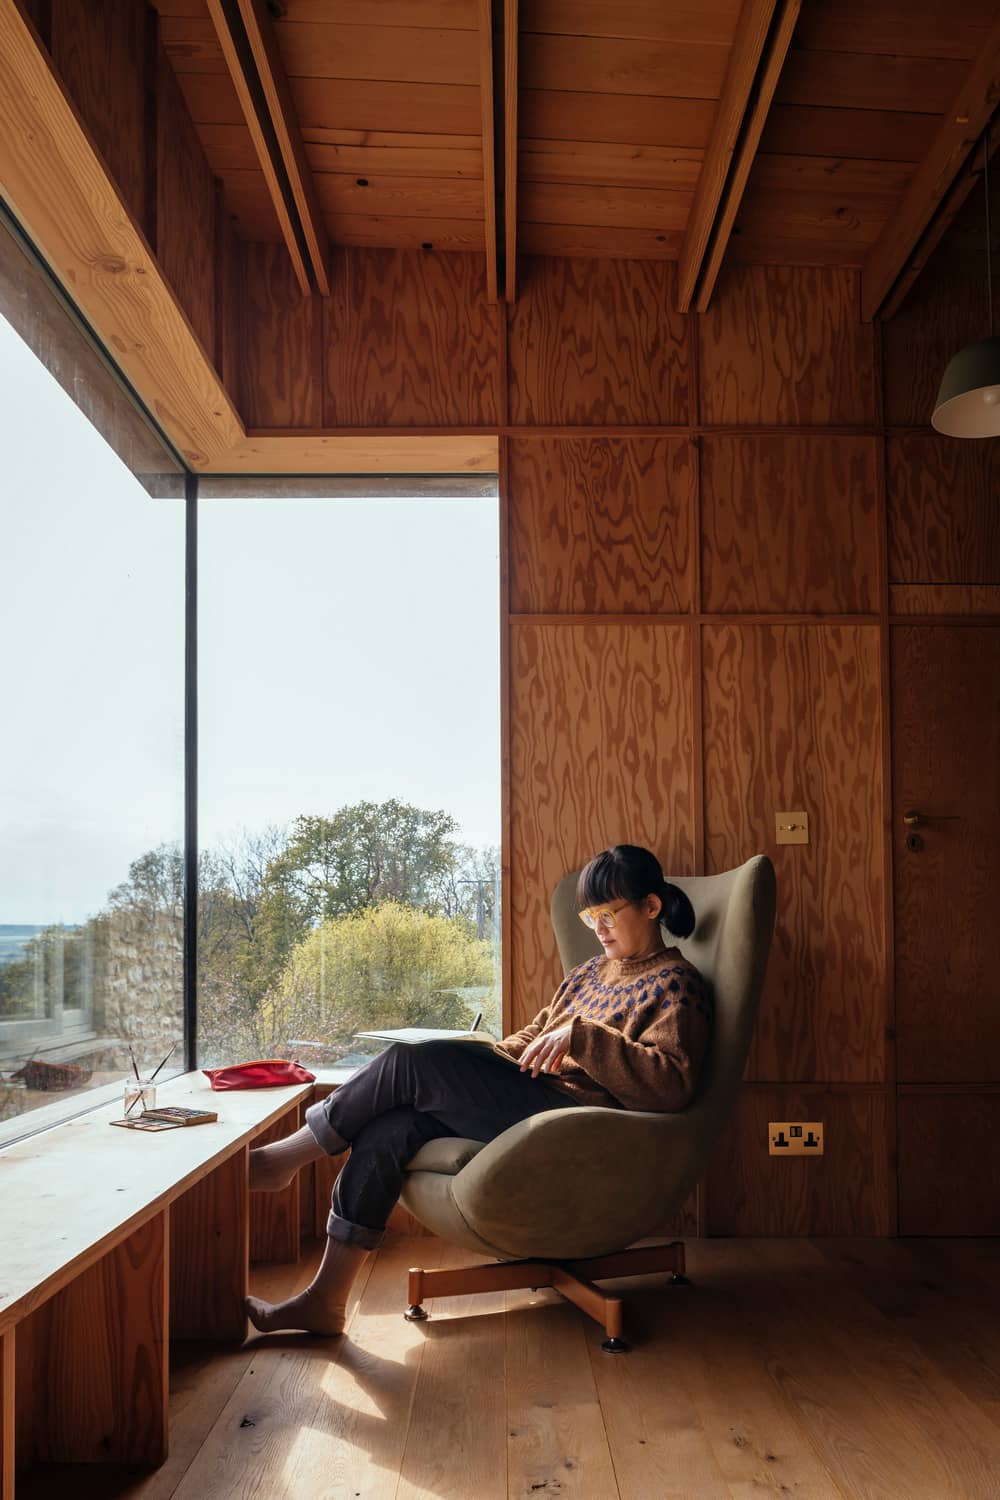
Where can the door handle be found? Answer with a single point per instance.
(915, 819)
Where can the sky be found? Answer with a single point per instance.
(348, 650)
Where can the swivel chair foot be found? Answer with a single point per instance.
(416, 1314)
(615, 1346)
(679, 1279)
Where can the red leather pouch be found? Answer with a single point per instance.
(268, 1074)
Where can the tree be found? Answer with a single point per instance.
(364, 854)
(383, 966)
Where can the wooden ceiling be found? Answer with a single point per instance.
(653, 129)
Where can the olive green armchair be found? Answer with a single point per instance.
(561, 1199)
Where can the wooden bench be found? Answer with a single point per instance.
(114, 1242)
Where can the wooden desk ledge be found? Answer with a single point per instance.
(113, 1242)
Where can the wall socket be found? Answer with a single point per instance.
(795, 1137)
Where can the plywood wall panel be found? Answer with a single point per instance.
(601, 753)
(100, 53)
(845, 1191)
(949, 1167)
(282, 341)
(946, 761)
(185, 208)
(789, 524)
(601, 525)
(411, 341)
(944, 520)
(792, 721)
(785, 345)
(945, 311)
(597, 343)
(944, 599)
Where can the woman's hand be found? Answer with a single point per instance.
(545, 1053)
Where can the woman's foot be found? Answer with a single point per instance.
(322, 1307)
(307, 1311)
(273, 1167)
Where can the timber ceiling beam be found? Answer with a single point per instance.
(510, 33)
(486, 94)
(763, 35)
(932, 182)
(57, 187)
(250, 47)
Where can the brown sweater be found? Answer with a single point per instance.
(639, 1031)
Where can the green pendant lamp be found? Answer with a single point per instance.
(968, 403)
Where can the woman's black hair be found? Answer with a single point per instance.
(625, 872)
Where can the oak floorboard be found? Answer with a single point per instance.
(254, 1440)
(658, 1441)
(556, 1440)
(946, 1316)
(758, 1443)
(456, 1444)
(883, 1417)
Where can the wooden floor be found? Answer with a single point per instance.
(810, 1368)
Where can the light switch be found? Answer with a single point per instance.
(791, 827)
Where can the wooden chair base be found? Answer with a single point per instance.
(574, 1279)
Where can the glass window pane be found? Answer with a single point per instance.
(91, 757)
(349, 769)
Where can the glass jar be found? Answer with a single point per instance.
(140, 1095)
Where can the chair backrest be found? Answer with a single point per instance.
(734, 923)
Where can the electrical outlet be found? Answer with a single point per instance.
(795, 1137)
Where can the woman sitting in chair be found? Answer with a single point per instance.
(626, 1030)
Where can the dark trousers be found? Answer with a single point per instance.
(404, 1097)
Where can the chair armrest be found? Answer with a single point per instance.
(577, 1182)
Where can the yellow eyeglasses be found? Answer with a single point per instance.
(601, 916)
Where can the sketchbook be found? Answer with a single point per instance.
(414, 1035)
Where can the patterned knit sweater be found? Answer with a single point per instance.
(639, 1031)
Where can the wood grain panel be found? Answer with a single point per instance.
(949, 1168)
(410, 340)
(599, 242)
(945, 311)
(411, 54)
(946, 760)
(401, 197)
(678, 69)
(562, 115)
(92, 1362)
(789, 525)
(610, 164)
(792, 720)
(358, 105)
(282, 343)
(384, 232)
(7, 1414)
(879, 134)
(944, 522)
(209, 1254)
(100, 52)
(428, 13)
(704, 21)
(785, 346)
(944, 599)
(631, 207)
(185, 208)
(274, 1217)
(601, 750)
(845, 1191)
(860, 80)
(594, 343)
(897, 27)
(409, 158)
(601, 525)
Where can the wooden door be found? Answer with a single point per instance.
(946, 767)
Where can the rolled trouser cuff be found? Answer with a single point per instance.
(326, 1137)
(353, 1234)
